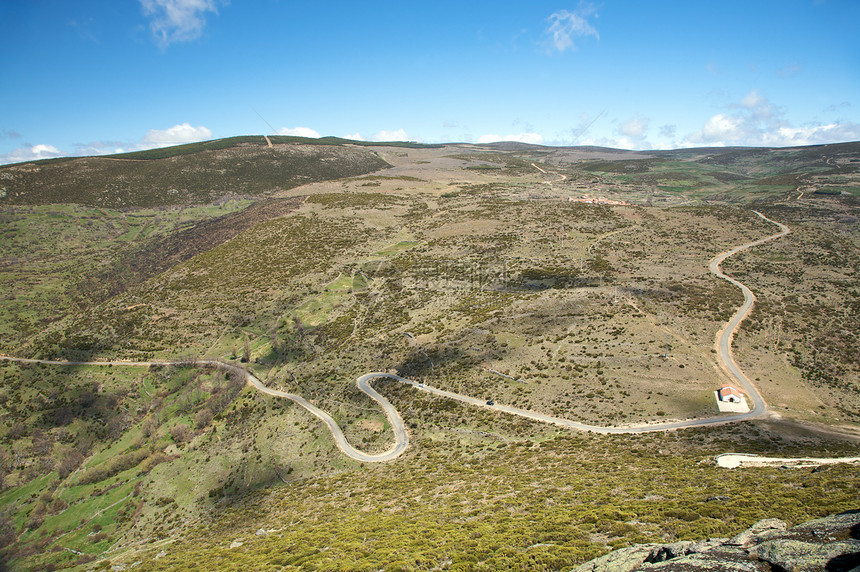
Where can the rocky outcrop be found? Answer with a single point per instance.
(830, 544)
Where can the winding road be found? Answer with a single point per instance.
(725, 337)
(401, 436)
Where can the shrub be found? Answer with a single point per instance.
(113, 467)
(57, 506)
(203, 418)
(71, 461)
(180, 432)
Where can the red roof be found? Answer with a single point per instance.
(727, 390)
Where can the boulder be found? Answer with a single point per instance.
(800, 556)
(622, 560)
(668, 551)
(835, 527)
(705, 545)
(762, 530)
(721, 558)
(830, 544)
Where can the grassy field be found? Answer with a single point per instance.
(485, 281)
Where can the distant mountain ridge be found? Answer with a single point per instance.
(201, 173)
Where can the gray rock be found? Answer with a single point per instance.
(720, 559)
(830, 544)
(760, 531)
(705, 545)
(668, 551)
(834, 527)
(800, 556)
(623, 560)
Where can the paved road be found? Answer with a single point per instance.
(725, 337)
(569, 424)
(401, 437)
(735, 460)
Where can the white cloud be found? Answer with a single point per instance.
(299, 132)
(634, 127)
(30, 153)
(812, 135)
(176, 135)
(154, 138)
(533, 138)
(756, 122)
(564, 27)
(395, 135)
(723, 128)
(177, 20)
(752, 100)
(354, 136)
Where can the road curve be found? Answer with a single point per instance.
(401, 436)
(727, 334)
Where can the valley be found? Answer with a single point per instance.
(501, 297)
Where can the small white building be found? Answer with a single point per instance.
(730, 394)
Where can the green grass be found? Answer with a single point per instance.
(396, 249)
(84, 510)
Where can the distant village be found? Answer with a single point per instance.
(596, 201)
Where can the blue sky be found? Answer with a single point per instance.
(89, 77)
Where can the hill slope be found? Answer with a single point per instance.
(181, 176)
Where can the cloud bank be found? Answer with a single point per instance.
(395, 135)
(30, 153)
(154, 138)
(176, 135)
(756, 122)
(299, 132)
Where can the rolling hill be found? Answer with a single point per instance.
(571, 282)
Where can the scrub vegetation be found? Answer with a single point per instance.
(463, 267)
